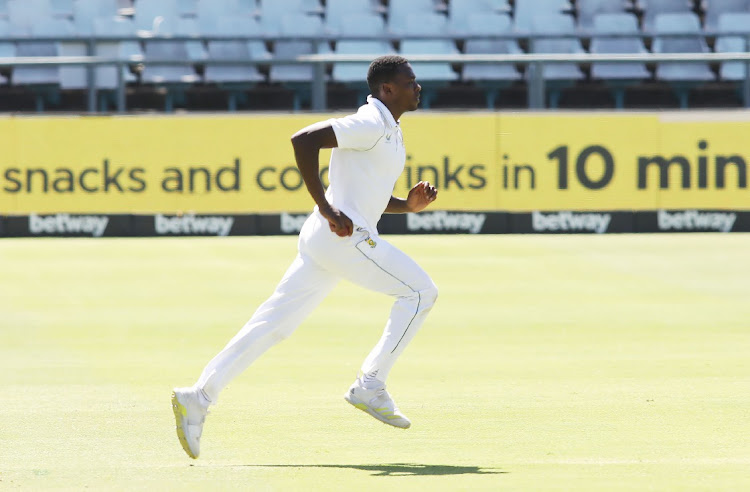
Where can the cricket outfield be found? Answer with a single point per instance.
(616, 362)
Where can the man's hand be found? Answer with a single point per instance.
(420, 196)
(338, 222)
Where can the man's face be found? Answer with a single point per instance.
(404, 89)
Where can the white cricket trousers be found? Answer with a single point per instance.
(323, 259)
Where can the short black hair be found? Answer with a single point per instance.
(383, 69)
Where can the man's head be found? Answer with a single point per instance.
(391, 79)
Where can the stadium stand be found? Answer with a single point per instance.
(588, 9)
(716, 8)
(681, 76)
(558, 76)
(297, 77)
(353, 75)
(432, 75)
(525, 11)
(733, 72)
(460, 10)
(653, 8)
(234, 79)
(618, 76)
(451, 26)
(491, 77)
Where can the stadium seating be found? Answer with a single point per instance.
(338, 10)
(733, 72)
(174, 78)
(400, 10)
(526, 10)
(716, 8)
(617, 75)
(86, 12)
(297, 77)
(24, 13)
(7, 49)
(272, 13)
(234, 79)
(587, 9)
(557, 76)
(44, 81)
(491, 77)
(653, 8)
(62, 9)
(354, 75)
(681, 76)
(430, 75)
(150, 13)
(106, 77)
(460, 10)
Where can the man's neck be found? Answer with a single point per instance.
(396, 115)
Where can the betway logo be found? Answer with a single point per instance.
(292, 223)
(570, 221)
(691, 220)
(190, 224)
(94, 225)
(445, 221)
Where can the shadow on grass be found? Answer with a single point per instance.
(402, 469)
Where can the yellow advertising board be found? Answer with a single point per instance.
(479, 161)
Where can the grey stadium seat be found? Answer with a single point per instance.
(653, 8)
(587, 9)
(85, 13)
(400, 10)
(492, 77)
(525, 11)
(460, 10)
(338, 10)
(430, 75)
(716, 8)
(557, 75)
(297, 77)
(234, 79)
(682, 76)
(354, 75)
(734, 72)
(617, 75)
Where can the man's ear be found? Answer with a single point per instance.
(386, 89)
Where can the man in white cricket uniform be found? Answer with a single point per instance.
(339, 241)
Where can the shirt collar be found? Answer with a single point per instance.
(383, 109)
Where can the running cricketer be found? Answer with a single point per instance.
(339, 241)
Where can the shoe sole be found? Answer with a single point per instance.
(356, 403)
(180, 413)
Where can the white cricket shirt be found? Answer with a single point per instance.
(364, 167)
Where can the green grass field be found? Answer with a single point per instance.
(617, 362)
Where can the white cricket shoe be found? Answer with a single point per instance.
(189, 416)
(378, 403)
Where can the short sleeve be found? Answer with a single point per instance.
(357, 131)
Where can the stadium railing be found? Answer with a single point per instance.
(534, 62)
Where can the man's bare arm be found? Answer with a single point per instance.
(307, 144)
(421, 195)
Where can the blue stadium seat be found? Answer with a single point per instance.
(400, 10)
(234, 79)
(7, 50)
(492, 77)
(681, 76)
(354, 75)
(297, 77)
(617, 75)
(45, 80)
(24, 13)
(557, 76)
(430, 75)
(272, 13)
(85, 13)
(734, 72)
(149, 12)
(337, 10)
(174, 78)
(716, 8)
(587, 9)
(653, 8)
(460, 10)
(106, 77)
(525, 11)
